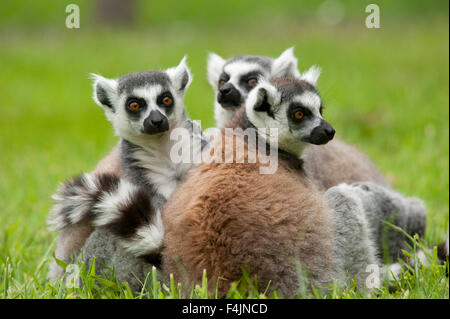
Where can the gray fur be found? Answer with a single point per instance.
(293, 88)
(109, 254)
(263, 61)
(360, 211)
(129, 82)
(380, 205)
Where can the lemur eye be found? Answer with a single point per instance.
(298, 115)
(252, 81)
(167, 101)
(134, 106)
(221, 83)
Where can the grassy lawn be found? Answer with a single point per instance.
(385, 90)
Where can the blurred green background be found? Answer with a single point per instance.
(386, 90)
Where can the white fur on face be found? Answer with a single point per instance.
(239, 68)
(283, 66)
(312, 102)
(235, 70)
(289, 135)
(107, 96)
(123, 124)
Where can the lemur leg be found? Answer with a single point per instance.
(355, 249)
(68, 245)
(109, 254)
(382, 207)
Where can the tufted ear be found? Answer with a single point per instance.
(285, 65)
(180, 76)
(105, 92)
(214, 68)
(311, 75)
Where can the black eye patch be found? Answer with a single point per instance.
(224, 77)
(295, 108)
(243, 81)
(140, 102)
(165, 99)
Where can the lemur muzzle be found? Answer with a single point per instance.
(322, 134)
(229, 96)
(155, 123)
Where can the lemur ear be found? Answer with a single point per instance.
(180, 76)
(311, 75)
(214, 68)
(285, 65)
(105, 91)
(263, 97)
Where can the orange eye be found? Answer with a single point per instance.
(167, 101)
(134, 106)
(221, 83)
(252, 82)
(298, 115)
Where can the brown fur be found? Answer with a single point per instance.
(228, 216)
(338, 162)
(69, 243)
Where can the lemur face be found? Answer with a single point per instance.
(144, 103)
(233, 79)
(294, 108)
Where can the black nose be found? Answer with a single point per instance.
(156, 118)
(329, 130)
(229, 96)
(322, 134)
(226, 89)
(155, 123)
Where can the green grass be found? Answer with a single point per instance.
(385, 90)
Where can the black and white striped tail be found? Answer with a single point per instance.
(108, 201)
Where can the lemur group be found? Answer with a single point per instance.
(325, 216)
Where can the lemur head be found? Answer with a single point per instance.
(144, 104)
(294, 107)
(234, 78)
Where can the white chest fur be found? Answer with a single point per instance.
(159, 170)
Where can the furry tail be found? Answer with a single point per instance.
(108, 201)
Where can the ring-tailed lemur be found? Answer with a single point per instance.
(144, 108)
